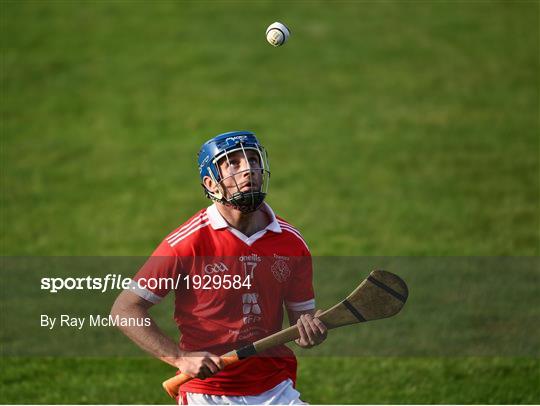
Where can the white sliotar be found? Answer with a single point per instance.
(277, 34)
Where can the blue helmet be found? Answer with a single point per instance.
(215, 151)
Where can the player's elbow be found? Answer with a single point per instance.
(120, 310)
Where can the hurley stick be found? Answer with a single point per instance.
(382, 294)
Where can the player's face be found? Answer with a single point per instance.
(241, 171)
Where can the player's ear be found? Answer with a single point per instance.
(210, 185)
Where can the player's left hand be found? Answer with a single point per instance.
(312, 330)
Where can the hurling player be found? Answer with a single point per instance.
(268, 265)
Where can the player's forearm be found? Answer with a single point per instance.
(150, 338)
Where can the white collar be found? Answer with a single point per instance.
(218, 222)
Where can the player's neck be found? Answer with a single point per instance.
(247, 223)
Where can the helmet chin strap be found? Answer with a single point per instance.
(246, 202)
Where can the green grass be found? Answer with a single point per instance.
(394, 129)
(323, 380)
(419, 380)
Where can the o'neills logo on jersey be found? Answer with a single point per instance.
(280, 269)
(250, 258)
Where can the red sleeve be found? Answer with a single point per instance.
(300, 295)
(158, 275)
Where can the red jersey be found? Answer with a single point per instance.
(267, 270)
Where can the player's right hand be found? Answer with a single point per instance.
(200, 365)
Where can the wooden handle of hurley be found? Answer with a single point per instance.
(172, 385)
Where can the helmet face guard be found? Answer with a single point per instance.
(244, 189)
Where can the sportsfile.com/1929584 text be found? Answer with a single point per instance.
(117, 282)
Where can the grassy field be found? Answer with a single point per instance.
(394, 129)
(323, 380)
